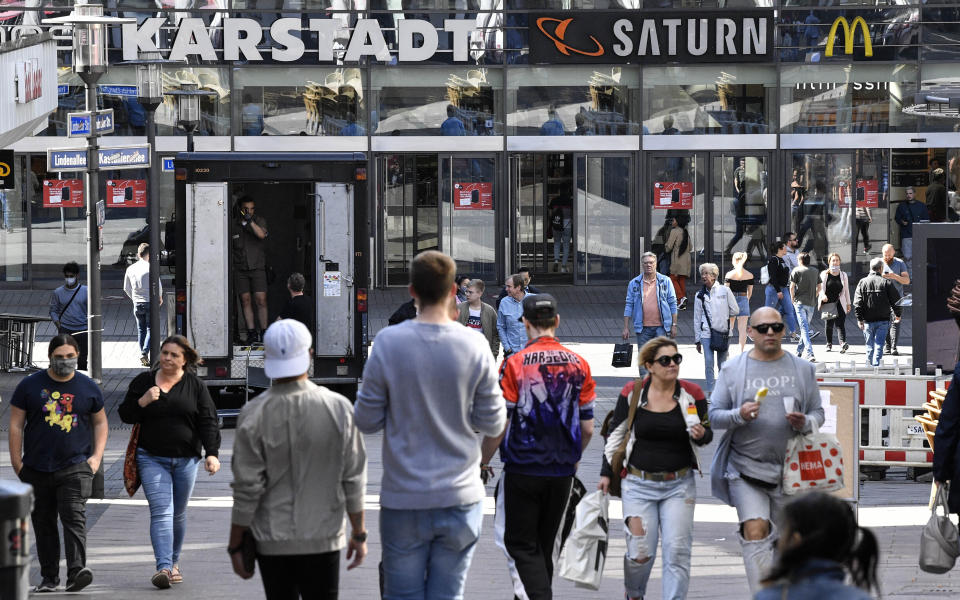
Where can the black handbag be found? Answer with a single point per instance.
(622, 355)
(719, 340)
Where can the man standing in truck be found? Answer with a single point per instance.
(250, 265)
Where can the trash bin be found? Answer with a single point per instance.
(16, 503)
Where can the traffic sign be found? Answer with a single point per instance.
(80, 123)
(124, 157)
(167, 164)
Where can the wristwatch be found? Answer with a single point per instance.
(359, 537)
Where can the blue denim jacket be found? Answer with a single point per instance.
(513, 335)
(818, 579)
(666, 299)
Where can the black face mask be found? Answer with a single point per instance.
(63, 367)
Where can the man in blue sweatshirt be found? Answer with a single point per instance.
(429, 384)
(68, 309)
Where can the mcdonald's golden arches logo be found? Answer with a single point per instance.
(4, 169)
(849, 32)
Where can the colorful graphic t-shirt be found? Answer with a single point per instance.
(473, 321)
(57, 433)
(548, 390)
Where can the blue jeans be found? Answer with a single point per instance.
(427, 553)
(665, 509)
(141, 311)
(708, 361)
(804, 315)
(643, 336)
(875, 333)
(784, 305)
(562, 238)
(167, 484)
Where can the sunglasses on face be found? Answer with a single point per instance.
(664, 361)
(765, 327)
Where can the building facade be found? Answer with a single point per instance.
(560, 136)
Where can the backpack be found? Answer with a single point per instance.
(764, 275)
(556, 219)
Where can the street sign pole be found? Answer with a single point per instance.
(92, 190)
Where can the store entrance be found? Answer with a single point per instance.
(572, 220)
(720, 199)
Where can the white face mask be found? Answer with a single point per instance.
(834, 269)
(70, 280)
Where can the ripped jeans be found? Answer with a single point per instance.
(665, 509)
(754, 502)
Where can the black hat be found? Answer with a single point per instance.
(539, 306)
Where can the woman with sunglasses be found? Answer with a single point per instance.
(658, 491)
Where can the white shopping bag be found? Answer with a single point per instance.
(814, 461)
(585, 551)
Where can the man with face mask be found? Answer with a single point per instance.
(68, 310)
(58, 431)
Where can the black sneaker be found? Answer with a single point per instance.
(894, 352)
(47, 585)
(844, 348)
(80, 580)
(886, 349)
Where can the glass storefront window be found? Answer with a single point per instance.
(716, 99)
(13, 221)
(847, 98)
(458, 101)
(467, 204)
(893, 32)
(58, 235)
(938, 75)
(940, 26)
(566, 100)
(300, 101)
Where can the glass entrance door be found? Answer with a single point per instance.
(409, 193)
(602, 223)
(739, 200)
(468, 197)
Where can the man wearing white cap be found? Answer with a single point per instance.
(298, 464)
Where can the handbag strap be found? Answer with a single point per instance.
(75, 292)
(631, 414)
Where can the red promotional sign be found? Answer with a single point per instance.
(63, 193)
(123, 193)
(473, 196)
(673, 194)
(867, 195)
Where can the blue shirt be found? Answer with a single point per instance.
(666, 300)
(57, 433)
(817, 579)
(513, 335)
(352, 129)
(897, 267)
(452, 126)
(75, 316)
(552, 127)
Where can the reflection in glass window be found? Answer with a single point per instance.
(300, 101)
(563, 100)
(467, 212)
(13, 218)
(458, 101)
(939, 76)
(702, 100)
(847, 98)
(803, 34)
(58, 234)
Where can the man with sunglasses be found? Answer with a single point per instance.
(747, 467)
(651, 305)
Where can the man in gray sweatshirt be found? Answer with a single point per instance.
(747, 467)
(430, 384)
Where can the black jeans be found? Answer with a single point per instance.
(82, 342)
(839, 322)
(863, 228)
(295, 576)
(62, 493)
(893, 334)
(533, 508)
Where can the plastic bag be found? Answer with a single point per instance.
(814, 461)
(585, 551)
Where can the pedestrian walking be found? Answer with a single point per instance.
(659, 491)
(864, 218)
(58, 431)
(937, 197)
(747, 467)
(778, 291)
(549, 394)
(678, 245)
(300, 306)
(68, 310)
(896, 271)
(513, 336)
(429, 384)
(525, 278)
(714, 308)
(804, 289)
(740, 282)
(834, 299)
(136, 285)
(820, 544)
(873, 301)
(478, 315)
(299, 464)
(177, 419)
(909, 211)
(791, 258)
(651, 305)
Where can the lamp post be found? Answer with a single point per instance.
(90, 62)
(188, 108)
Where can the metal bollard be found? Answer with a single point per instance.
(16, 503)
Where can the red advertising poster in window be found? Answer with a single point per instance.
(843, 194)
(867, 195)
(473, 196)
(673, 194)
(122, 193)
(63, 193)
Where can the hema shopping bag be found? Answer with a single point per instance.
(814, 461)
(585, 551)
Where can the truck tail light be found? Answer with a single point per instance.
(181, 301)
(220, 371)
(362, 300)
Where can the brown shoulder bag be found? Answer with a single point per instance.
(618, 464)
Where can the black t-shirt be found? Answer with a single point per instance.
(57, 433)
(179, 423)
(834, 288)
(299, 308)
(662, 442)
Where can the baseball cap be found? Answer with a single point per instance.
(539, 306)
(286, 349)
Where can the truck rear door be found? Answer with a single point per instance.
(334, 277)
(207, 262)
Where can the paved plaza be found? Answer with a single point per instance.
(119, 549)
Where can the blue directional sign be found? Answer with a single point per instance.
(80, 122)
(126, 91)
(63, 90)
(167, 164)
(126, 157)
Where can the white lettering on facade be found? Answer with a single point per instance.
(648, 38)
(693, 48)
(726, 31)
